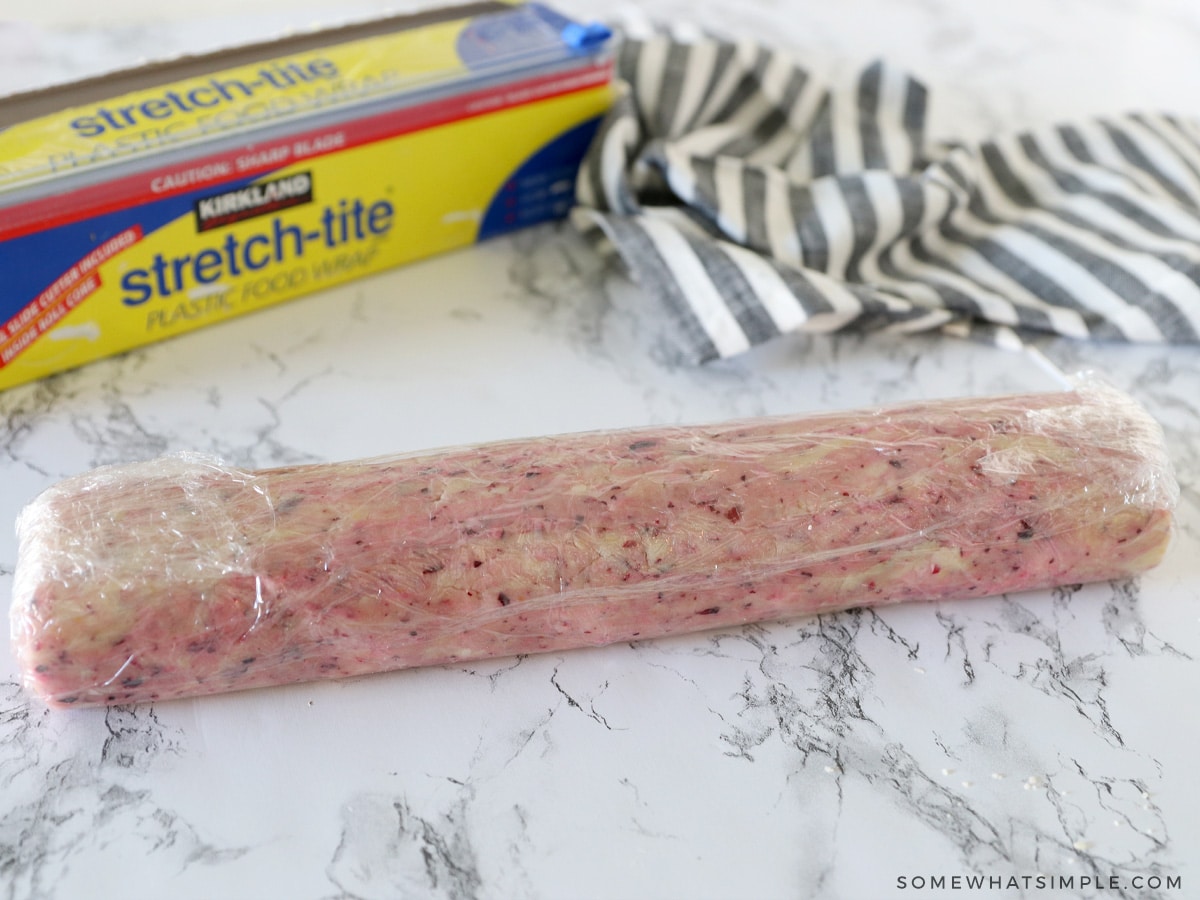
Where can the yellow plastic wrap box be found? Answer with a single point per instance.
(147, 203)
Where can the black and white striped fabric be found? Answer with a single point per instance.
(758, 200)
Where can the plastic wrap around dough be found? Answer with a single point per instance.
(182, 576)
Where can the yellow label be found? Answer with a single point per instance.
(308, 225)
(196, 109)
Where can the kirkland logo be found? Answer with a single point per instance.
(256, 199)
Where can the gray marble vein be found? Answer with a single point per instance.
(80, 803)
(387, 849)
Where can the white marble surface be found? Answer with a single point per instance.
(1044, 734)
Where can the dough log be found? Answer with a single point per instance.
(182, 576)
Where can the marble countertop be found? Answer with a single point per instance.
(857, 755)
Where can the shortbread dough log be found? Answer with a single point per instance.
(182, 576)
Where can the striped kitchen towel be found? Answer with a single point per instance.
(757, 199)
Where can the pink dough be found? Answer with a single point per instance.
(181, 576)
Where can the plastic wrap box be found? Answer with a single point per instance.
(149, 202)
